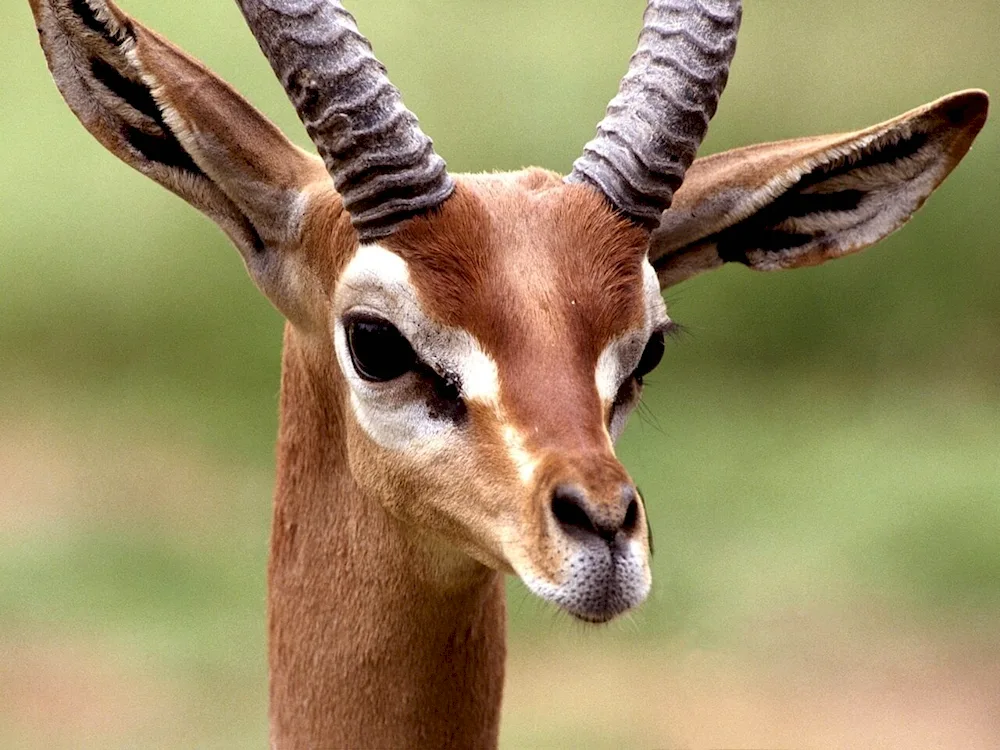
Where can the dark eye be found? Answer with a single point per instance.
(651, 355)
(379, 351)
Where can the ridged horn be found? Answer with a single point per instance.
(382, 164)
(655, 124)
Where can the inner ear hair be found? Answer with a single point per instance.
(802, 202)
(839, 193)
(90, 46)
(168, 116)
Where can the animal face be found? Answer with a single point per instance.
(493, 352)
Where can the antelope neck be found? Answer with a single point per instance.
(369, 646)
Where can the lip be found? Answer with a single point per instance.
(598, 585)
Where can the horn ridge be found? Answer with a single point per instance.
(371, 143)
(654, 125)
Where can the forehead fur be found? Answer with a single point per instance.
(544, 275)
(511, 255)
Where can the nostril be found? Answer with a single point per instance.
(568, 508)
(580, 517)
(631, 514)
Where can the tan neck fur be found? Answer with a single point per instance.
(377, 638)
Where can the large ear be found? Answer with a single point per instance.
(802, 202)
(168, 116)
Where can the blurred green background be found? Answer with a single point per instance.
(820, 454)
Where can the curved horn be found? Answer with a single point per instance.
(655, 124)
(382, 164)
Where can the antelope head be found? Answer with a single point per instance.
(486, 337)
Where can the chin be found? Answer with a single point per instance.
(598, 586)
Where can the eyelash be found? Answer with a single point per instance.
(635, 380)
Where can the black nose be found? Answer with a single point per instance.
(584, 518)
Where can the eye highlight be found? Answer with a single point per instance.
(379, 352)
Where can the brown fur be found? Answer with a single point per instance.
(528, 264)
(369, 647)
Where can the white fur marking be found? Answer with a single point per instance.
(395, 413)
(519, 454)
(620, 357)
(588, 577)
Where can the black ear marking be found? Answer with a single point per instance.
(83, 11)
(760, 232)
(796, 204)
(880, 156)
(88, 16)
(161, 147)
(153, 140)
(133, 93)
(733, 244)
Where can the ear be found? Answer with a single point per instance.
(802, 202)
(168, 116)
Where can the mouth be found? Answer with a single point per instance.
(598, 584)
